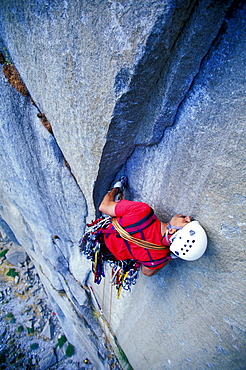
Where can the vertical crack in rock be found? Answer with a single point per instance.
(173, 54)
(12, 75)
(236, 4)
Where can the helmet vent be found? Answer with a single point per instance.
(190, 243)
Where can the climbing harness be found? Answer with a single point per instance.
(141, 243)
(124, 273)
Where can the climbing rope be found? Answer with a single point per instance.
(142, 243)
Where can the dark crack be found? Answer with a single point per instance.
(174, 51)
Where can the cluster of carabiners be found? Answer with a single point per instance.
(89, 243)
(130, 279)
(97, 267)
(123, 278)
(90, 246)
(124, 273)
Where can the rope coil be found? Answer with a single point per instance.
(141, 243)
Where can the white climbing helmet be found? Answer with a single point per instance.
(190, 242)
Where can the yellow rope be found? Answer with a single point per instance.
(141, 243)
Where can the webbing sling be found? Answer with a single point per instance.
(141, 243)
(138, 226)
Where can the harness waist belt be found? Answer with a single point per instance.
(137, 227)
(141, 243)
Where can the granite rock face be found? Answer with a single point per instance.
(154, 89)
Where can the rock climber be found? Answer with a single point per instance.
(174, 239)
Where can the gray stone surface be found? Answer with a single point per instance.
(48, 330)
(16, 255)
(160, 81)
(25, 309)
(7, 232)
(77, 49)
(48, 360)
(111, 77)
(192, 315)
(45, 208)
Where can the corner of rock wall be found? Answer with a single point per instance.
(43, 194)
(160, 82)
(43, 208)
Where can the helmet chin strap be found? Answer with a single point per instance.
(169, 226)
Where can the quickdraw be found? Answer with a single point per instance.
(124, 273)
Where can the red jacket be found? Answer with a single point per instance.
(128, 213)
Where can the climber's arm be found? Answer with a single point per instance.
(150, 272)
(108, 204)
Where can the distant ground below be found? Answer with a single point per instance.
(30, 334)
